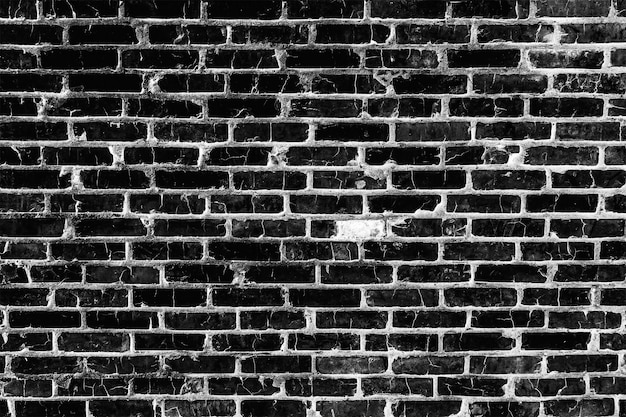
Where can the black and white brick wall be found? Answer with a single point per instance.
(312, 208)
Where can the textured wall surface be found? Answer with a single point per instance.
(312, 208)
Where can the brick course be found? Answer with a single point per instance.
(331, 208)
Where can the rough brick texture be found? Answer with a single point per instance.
(312, 208)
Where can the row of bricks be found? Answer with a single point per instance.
(401, 180)
(325, 408)
(381, 296)
(306, 250)
(295, 9)
(294, 320)
(254, 250)
(421, 364)
(528, 340)
(407, 107)
(320, 83)
(106, 58)
(116, 386)
(600, 406)
(124, 33)
(427, 321)
(441, 307)
(302, 387)
(226, 204)
(388, 156)
(284, 131)
(350, 364)
(269, 228)
(189, 274)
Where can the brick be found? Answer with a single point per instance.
(351, 34)
(79, 59)
(515, 33)
(573, 9)
(309, 9)
(265, 9)
(592, 33)
(17, 9)
(351, 365)
(491, 9)
(101, 34)
(566, 107)
(566, 59)
(401, 58)
(420, 34)
(504, 365)
(189, 9)
(13, 59)
(31, 34)
(483, 58)
(154, 58)
(498, 84)
(270, 34)
(303, 58)
(399, 9)
(92, 9)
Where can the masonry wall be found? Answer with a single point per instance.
(331, 208)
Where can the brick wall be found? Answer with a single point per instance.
(312, 208)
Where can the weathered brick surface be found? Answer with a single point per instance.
(312, 208)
